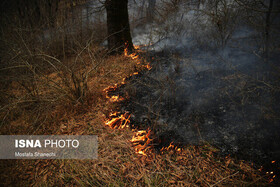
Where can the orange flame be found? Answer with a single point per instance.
(125, 52)
(141, 139)
(135, 56)
(148, 66)
(142, 142)
(110, 88)
(170, 147)
(118, 122)
(137, 47)
(116, 98)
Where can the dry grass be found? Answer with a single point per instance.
(117, 163)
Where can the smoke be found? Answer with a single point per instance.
(208, 85)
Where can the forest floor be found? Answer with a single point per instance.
(118, 164)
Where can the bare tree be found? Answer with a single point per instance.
(151, 10)
(262, 14)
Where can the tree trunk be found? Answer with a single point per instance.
(267, 28)
(118, 27)
(151, 10)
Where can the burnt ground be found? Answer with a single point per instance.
(234, 107)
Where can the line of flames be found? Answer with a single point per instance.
(141, 140)
(121, 121)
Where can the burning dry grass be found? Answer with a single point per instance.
(119, 162)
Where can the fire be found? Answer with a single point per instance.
(118, 122)
(148, 66)
(137, 47)
(115, 98)
(170, 147)
(142, 142)
(125, 52)
(111, 88)
(135, 56)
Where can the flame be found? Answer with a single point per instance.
(110, 88)
(148, 66)
(113, 88)
(135, 56)
(118, 122)
(142, 142)
(115, 98)
(137, 47)
(171, 147)
(125, 52)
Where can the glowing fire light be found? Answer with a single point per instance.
(142, 142)
(116, 98)
(148, 67)
(135, 56)
(137, 47)
(110, 88)
(118, 122)
(171, 147)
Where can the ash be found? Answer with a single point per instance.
(232, 105)
(208, 86)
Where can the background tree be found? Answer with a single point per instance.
(151, 10)
(119, 36)
(264, 16)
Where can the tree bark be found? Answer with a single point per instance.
(119, 36)
(151, 10)
(267, 28)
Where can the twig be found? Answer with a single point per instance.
(224, 179)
